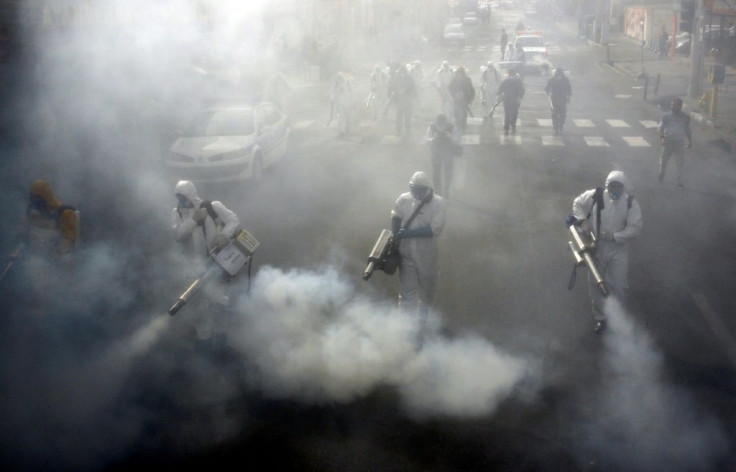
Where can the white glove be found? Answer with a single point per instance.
(199, 215)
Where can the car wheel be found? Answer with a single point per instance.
(256, 174)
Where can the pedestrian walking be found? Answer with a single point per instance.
(614, 217)
(463, 93)
(417, 219)
(342, 102)
(559, 90)
(443, 76)
(510, 53)
(488, 78)
(51, 228)
(378, 94)
(402, 92)
(201, 228)
(675, 136)
(504, 42)
(511, 91)
(443, 148)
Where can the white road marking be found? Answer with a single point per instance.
(470, 139)
(584, 123)
(649, 123)
(636, 141)
(477, 120)
(302, 124)
(552, 141)
(618, 123)
(622, 95)
(545, 122)
(597, 141)
(366, 123)
(514, 140)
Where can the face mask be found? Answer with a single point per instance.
(614, 192)
(184, 202)
(420, 193)
(38, 203)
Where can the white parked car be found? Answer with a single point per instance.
(535, 52)
(230, 141)
(454, 34)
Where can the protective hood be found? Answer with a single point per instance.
(618, 176)
(420, 179)
(187, 188)
(42, 189)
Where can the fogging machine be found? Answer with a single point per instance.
(583, 247)
(384, 255)
(226, 261)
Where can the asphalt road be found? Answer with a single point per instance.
(654, 393)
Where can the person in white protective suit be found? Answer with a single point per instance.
(342, 96)
(201, 227)
(419, 266)
(443, 77)
(620, 222)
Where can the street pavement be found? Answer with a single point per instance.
(505, 269)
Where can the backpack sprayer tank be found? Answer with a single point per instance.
(228, 260)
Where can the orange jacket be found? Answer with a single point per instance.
(65, 221)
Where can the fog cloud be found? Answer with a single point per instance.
(314, 337)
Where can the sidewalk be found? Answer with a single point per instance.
(668, 78)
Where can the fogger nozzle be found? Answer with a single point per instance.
(194, 288)
(582, 246)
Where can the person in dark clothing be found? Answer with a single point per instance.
(443, 148)
(462, 92)
(559, 90)
(402, 91)
(675, 136)
(511, 92)
(504, 42)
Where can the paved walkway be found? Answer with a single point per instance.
(669, 78)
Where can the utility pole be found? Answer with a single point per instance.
(696, 53)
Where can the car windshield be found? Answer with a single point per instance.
(530, 42)
(237, 122)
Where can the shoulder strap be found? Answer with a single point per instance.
(417, 210)
(210, 211)
(598, 200)
(628, 202)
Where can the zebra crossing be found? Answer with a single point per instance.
(496, 49)
(598, 133)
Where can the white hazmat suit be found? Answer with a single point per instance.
(619, 224)
(419, 264)
(216, 226)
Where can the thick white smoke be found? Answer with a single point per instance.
(313, 337)
(645, 423)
